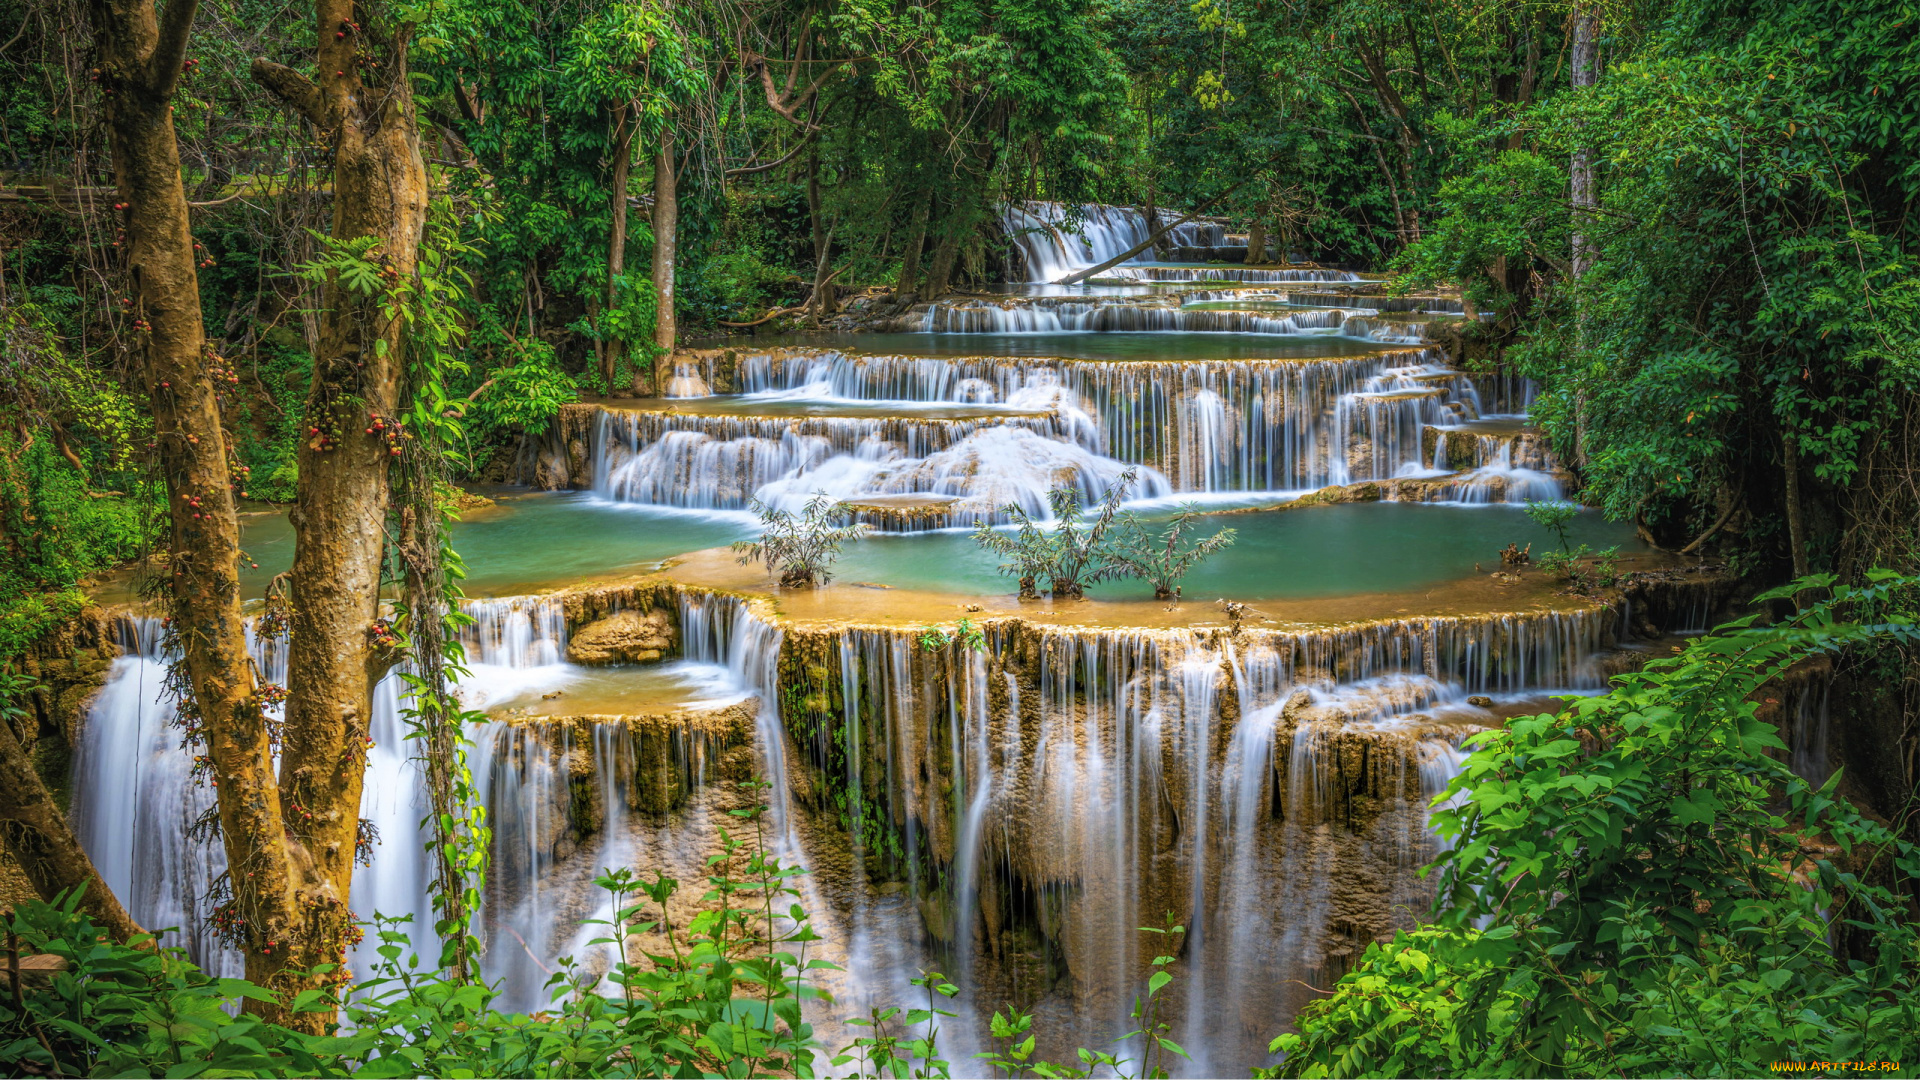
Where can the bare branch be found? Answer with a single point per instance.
(290, 87)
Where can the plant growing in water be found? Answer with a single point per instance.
(935, 638)
(1554, 516)
(1074, 555)
(1163, 560)
(799, 547)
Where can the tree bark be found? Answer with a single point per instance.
(666, 224)
(37, 836)
(339, 514)
(945, 247)
(822, 301)
(1529, 79)
(1586, 71)
(909, 280)
(624, 126)
(1257, 241)
(1375, 64)
(140, 56)
(1796, 517)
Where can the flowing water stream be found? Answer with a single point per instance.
(1011, 816)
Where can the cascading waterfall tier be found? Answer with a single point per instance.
(1041, 230)
(1051, 315)
(1252, 275)
(1044, 797)
(1197, 426)
(136, 802)
(980, 464)
(1011, 815)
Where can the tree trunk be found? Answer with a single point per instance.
(1586, 71)
(666, 224)
(624, 126)
(1081, 275)
(37, 836)
(945, 248)
(1529, 79)
(821, 300)
(340, 511)
(1796, 517)
(909, 279)
(140, 57)
(1400, 229)
(1257, 241)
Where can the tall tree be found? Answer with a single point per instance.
(141, 53)
(360, 100)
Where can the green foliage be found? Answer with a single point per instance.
(55, 532)
(121, 1009)
(1163, 560)
(1554, 515)
(1637, 885)
(801, 547)
(67, 437)
(1073, 555)
(1583, 568)
(970, 637)
(526, 395)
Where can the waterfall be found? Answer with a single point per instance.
(987, 466)
(1042, 799)
(1219, 426)
(1495, 478)
(1011, 815)
(1054, 315)
(136, 800)
(1274, 425)
(1173, 274)
(1041, 231)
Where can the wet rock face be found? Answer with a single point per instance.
(625, 637)
(561, 458)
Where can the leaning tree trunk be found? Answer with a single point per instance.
(340, 512)
(666, 226)
(39, 839)
(140, 56)
(1257, 241)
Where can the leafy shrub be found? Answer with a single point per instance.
(57, 530)
(1553, 515)
(800, 548)
(1163, 560)
(119, 1009)
(524, 396)
(1073, 555)
(1637, 885)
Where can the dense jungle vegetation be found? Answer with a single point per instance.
(237, 236)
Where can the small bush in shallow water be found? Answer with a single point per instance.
(1161, 561)
(1073, 555)
(1553, 515)
(800, 548)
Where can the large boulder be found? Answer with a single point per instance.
(624, 637)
